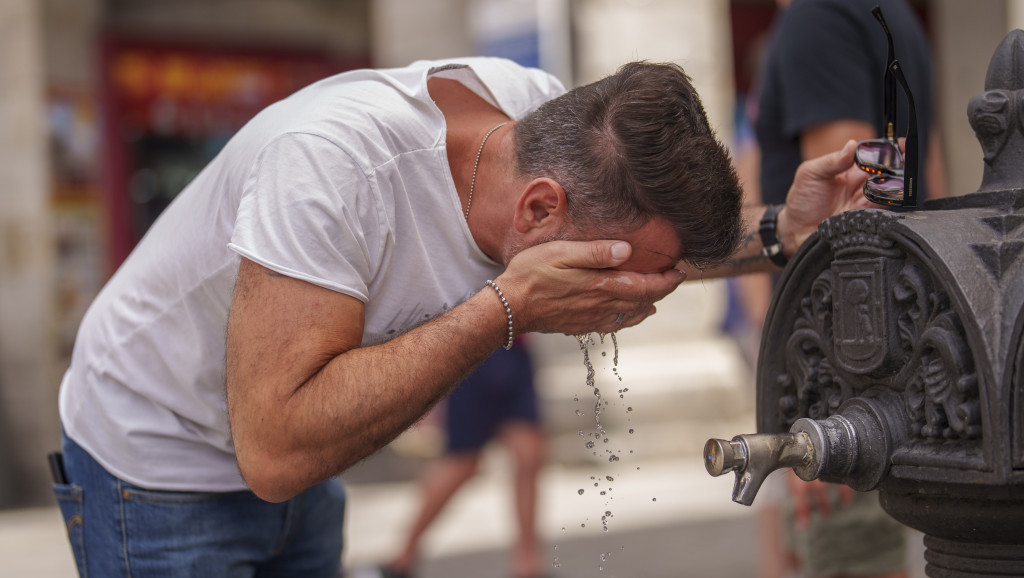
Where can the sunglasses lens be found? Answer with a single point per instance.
(884, 190)
(879, 155)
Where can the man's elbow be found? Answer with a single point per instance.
(278, 478)
(272, 480)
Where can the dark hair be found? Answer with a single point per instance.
(633, 146)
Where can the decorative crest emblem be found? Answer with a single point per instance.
(859, 314)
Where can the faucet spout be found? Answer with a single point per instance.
(754, 456)
(851, 447)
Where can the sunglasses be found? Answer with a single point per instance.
(893, 180)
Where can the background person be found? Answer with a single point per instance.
(820, 86)
(497, 401)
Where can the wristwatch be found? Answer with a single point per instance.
(769, 239)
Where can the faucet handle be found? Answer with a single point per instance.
(722, 457)
(754, 456)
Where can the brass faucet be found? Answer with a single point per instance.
(852, 447)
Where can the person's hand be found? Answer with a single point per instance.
(567, 287)
(822, 187)
(813, 497)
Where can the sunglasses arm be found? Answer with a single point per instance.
(910, 167)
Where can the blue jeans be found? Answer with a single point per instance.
(119, 529)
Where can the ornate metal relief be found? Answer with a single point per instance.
(878, 317)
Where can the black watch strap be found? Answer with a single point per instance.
(769, 237)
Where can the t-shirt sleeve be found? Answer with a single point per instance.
(519, 90)
(825, 68)
(309, 212)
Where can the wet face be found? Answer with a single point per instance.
(656, 248)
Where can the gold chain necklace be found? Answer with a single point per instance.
(476, 165)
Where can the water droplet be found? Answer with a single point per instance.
(579, 413)
(630, 430)
(606, 513)
(613, 458)
(602, 492)
(609, 478)
(654, 499)
(595, 484)
(604, 354)
(629, 409)
(589, 444)
(583, 525)
(580, 491)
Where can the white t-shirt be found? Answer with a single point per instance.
(344, 184)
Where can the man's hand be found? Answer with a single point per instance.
(822, 187)
(569, 287)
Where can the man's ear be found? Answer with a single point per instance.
(541, 207)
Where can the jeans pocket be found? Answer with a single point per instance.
(171, 533)
(69, 498)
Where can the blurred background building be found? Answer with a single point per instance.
(109, 107)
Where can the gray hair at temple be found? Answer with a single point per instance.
(633, 146)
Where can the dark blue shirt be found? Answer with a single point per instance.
(826, 62)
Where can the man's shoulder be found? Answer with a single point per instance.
(512, 87)
(369, 114)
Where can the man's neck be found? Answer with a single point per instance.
(494, 194)
(468, 119)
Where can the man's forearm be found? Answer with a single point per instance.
(384, 389)
(363, 398)
(749, 257)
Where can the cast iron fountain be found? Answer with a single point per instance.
(893, 356)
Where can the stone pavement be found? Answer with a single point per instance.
(657, 518)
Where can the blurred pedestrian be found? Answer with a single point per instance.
(497, 401)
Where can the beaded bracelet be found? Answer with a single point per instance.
(508, 311)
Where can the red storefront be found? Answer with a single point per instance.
(167, 110)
